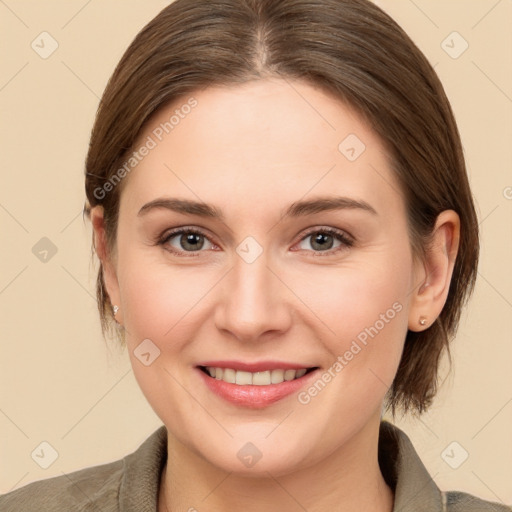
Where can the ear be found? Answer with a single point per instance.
(434, 275)
(107, 259)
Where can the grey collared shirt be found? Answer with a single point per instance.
(131, 484)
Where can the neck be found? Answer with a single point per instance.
(349, 479)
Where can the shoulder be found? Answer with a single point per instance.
(456, 501)
(130, 483)
(81, 490)
(413, 486)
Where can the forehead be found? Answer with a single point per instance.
(267, 140)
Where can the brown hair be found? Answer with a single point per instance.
(350, 48)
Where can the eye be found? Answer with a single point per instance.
(324, 240)
(185, 240)
(191, 240)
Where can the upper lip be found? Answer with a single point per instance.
(259, 366)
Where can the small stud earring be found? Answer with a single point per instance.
(115, 309)
(423, 321)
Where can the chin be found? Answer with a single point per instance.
(255, 455)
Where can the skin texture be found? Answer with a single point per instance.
(252, 150)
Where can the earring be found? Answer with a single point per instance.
(115, 309)
(423, 321)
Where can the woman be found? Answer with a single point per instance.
(287, 237)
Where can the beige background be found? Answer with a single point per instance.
(61, 384)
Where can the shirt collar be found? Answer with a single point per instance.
(138, 491)
(401, 467)
(414, 488)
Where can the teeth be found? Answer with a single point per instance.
(256, 379)
(229, 376)
(291, 374)
(260, 378)
(243, 378)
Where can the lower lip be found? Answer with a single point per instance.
(254, 397)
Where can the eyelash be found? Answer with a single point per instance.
(337, 234)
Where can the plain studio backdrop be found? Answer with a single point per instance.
(62, 385)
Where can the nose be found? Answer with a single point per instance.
(254, 302)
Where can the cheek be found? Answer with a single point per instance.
(160, 301)
(353, 296)
(362, 309)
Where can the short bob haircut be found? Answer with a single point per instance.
(349, 48)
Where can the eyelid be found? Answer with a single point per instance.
(342, 236)
(167, 235)
(329, 230)
(345, 238)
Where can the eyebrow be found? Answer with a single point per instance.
(296, 209)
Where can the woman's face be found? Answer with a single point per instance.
(273, 281)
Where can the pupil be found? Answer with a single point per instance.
(320, 239)
(191, 239)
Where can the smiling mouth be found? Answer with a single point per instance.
(263, 378)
